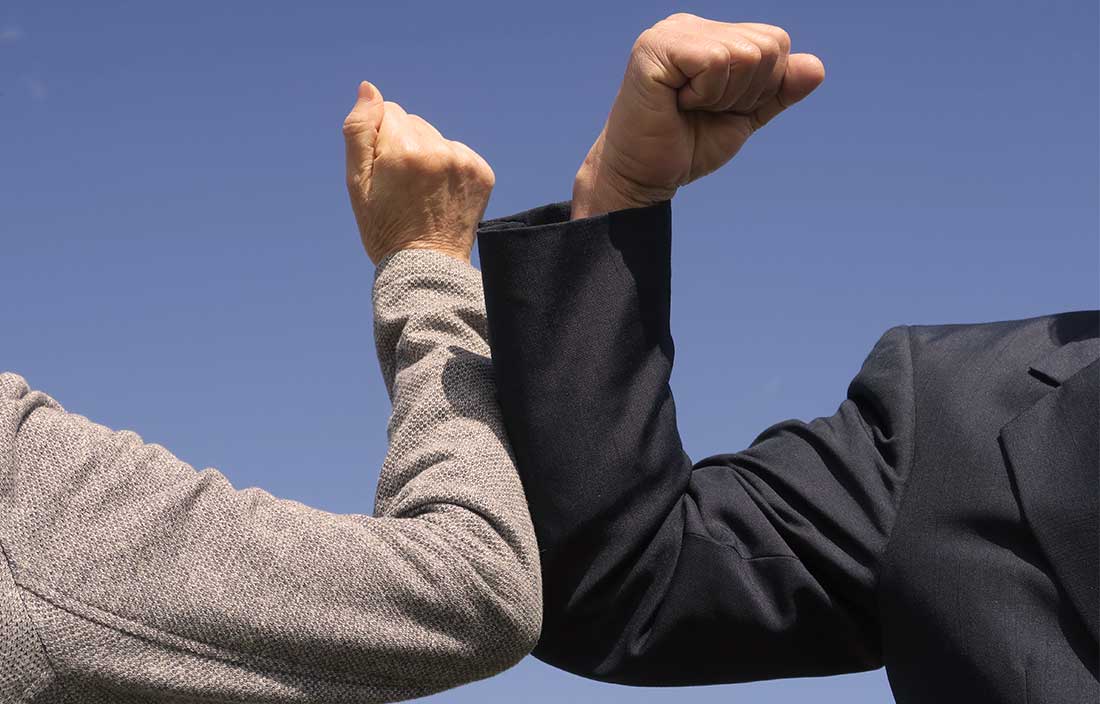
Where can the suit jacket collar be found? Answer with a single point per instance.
(1051, 450)
(1057, 365)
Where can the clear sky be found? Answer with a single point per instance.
(177, 255)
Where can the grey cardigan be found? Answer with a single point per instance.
(127, 576)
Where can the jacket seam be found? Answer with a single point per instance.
(52, 670)
(230, 657)
(904, 490)
(733, 548)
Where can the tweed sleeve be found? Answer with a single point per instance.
(127, 576)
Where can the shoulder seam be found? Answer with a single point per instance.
(21, 592)
(909, 465)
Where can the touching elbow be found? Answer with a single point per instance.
(518, 621)
(525, 629)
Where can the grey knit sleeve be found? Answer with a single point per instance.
(126, 576)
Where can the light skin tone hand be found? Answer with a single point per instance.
(410, 187)
(694, 91)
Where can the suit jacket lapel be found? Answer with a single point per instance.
(1052, 453)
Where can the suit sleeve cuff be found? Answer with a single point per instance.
(552, 214)
(542, 270)
(531, 232)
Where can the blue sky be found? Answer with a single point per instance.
(178, 257)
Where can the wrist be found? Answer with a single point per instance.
(439, 245)
(454, 251)
(600, 188)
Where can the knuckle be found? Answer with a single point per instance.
(482, 173)
(717, 54)
(679, 17)
(748, 53)
(484, 169)
(646, 40)
(486, 176)
(472, 165)
(422, 157)
(783, 38)
(442, 157)
(352, 127)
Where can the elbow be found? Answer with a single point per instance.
(526, 622)
(471, 626)
(593, 634)
(493, 615)
(517, 618)
(518, 642)
(510, 598)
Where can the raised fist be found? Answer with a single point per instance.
(694, 91)
(410, 187)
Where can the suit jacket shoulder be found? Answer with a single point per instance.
(993, 555)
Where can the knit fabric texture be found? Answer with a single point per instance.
(127, 576)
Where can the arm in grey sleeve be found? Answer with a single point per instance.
(127, 576)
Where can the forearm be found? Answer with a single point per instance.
(449, 470)
(137, 573)
(572, 339)
(578, 315)
(745, 566)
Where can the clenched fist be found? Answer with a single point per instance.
(410, 188)
(694, 91)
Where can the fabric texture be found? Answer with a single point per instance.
(943, 522)
(130, 577)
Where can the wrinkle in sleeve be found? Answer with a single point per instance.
(144, 575)
(766, 566)
(657, 570)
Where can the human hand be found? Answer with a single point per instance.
(410, 187)
(694, 91)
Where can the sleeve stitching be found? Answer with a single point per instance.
(29, 618)
(733, 548)
(187, 645)
(909, 468)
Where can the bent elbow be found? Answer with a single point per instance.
(488, 612)
(526, 625)
(517, 621)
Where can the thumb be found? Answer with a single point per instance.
(362, 124)
(805, 72)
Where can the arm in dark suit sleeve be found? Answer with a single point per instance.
(745, 566)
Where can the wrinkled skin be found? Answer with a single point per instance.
(410, 187)
(694, 91)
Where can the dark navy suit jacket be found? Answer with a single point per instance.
(943, 522)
